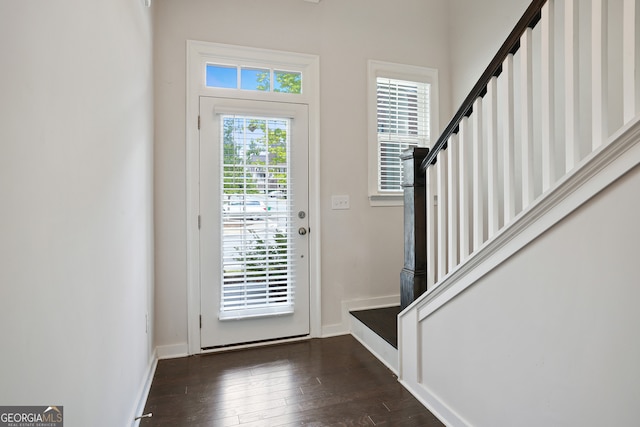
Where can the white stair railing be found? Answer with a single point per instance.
(553, 99)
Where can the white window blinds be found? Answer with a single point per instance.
(257, 244)
(402, 122)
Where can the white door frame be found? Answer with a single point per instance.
(198, 54)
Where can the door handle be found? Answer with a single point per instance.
(302, 231)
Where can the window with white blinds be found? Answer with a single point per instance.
(402, 122)
(402, 106)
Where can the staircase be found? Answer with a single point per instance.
(521, 232)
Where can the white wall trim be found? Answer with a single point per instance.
(198, 53)
(334, 330)
(344, 327)
(173, 351)
(143, 391)
(597, 171)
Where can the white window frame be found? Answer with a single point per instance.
(399, 72)
(200, 53)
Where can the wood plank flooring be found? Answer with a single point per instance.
(319, 382)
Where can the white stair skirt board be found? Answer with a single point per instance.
(373, 342)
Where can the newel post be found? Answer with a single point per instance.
(413, 278)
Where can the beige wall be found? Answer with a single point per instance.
(76, 219)
(477, 29)
(361, 247)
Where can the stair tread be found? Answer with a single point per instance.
(382, 321)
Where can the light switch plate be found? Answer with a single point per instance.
(340, 202)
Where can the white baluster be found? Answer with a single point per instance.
(629, 58)
(452, 175)
(599, 64)
(526, 111)
(493, 193)
(508, 140)
(572, 84)
(478, 193)
(464, 152)
(431, 227)
(547, 95)
(441, 172)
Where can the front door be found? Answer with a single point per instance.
(254, 263)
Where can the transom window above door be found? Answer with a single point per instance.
(253, 78)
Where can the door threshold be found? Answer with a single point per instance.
(251, 344)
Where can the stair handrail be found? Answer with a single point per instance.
(510, 46)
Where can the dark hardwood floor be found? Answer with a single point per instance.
(319, 382)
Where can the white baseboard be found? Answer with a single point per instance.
(334, 330)
(172, 351)
(365, 304)
(145, 386)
